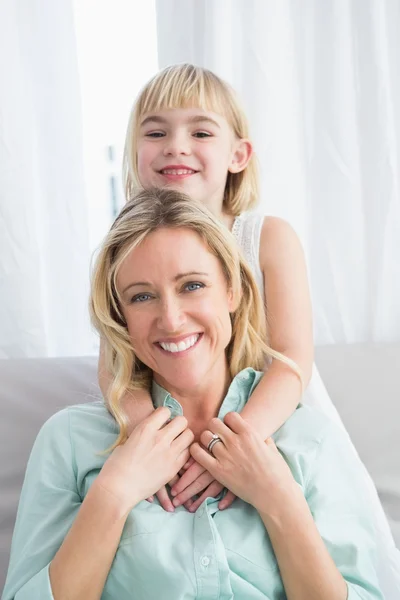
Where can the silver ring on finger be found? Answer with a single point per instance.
(214, 440)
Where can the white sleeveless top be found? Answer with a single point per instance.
(246, 229)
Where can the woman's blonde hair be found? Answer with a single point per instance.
(189, 86)
(148, 211)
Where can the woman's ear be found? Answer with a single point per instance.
(242, 153)
(233, 300)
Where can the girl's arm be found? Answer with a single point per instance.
(137, 406)
(289, 317)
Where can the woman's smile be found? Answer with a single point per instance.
(180, 346)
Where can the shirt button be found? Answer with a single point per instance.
(205, 561)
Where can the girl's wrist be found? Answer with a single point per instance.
(283, 503)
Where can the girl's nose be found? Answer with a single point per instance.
(177, 145)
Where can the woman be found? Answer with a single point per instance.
(181, 314)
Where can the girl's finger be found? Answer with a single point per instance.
(192, 490)
(164, 500)
(189, 477)
(174, 480)
(227, 500)
(150, 499)
(213, 490)
(188, 504)
(189, 463)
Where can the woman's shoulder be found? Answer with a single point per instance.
(308, 425)
(74, 420)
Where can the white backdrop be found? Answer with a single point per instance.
(321, 84)
(44, 250)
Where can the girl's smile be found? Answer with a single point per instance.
(189, 149)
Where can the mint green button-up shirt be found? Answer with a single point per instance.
(209, 555)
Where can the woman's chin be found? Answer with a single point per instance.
(183, 382)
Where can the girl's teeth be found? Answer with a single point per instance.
(177, 172)
(180, 346)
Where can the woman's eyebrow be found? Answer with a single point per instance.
(176, 278)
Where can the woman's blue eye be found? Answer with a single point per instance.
(191, 287)
(140, 298)
(155, 134)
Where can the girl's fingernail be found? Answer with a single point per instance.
(176, 502)
(170, 509)
(173, 492)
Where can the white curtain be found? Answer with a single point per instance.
(321, 84)
(44, 250)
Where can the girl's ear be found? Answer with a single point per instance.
(242, 152)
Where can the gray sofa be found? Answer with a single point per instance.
(363, 382)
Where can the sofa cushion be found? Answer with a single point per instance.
(363, 382)
(31, 390)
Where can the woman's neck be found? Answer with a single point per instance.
(202, 402)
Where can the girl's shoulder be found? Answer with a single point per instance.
(278, 241)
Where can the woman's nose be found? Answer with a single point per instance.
(177, 144)
(171, 317)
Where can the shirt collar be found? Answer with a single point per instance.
(239, 391)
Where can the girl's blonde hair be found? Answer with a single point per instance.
(148, 211)
(189, 86)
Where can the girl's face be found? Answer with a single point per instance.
(177, 305)
(190, 150)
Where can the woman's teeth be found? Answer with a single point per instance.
(180, 346)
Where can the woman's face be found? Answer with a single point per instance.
(177, 306)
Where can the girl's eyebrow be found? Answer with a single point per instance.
(194, 119)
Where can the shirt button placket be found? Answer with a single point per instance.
(206, 566)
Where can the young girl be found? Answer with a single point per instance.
(187, 131)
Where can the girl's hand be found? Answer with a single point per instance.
(163, 496)
(252, 469)
(152, 455)
(194, 479)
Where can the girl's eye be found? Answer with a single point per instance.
(193, 286)
(155, 134)
(140, 298)
(202, 134)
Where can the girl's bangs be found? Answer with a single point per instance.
(179, 91)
